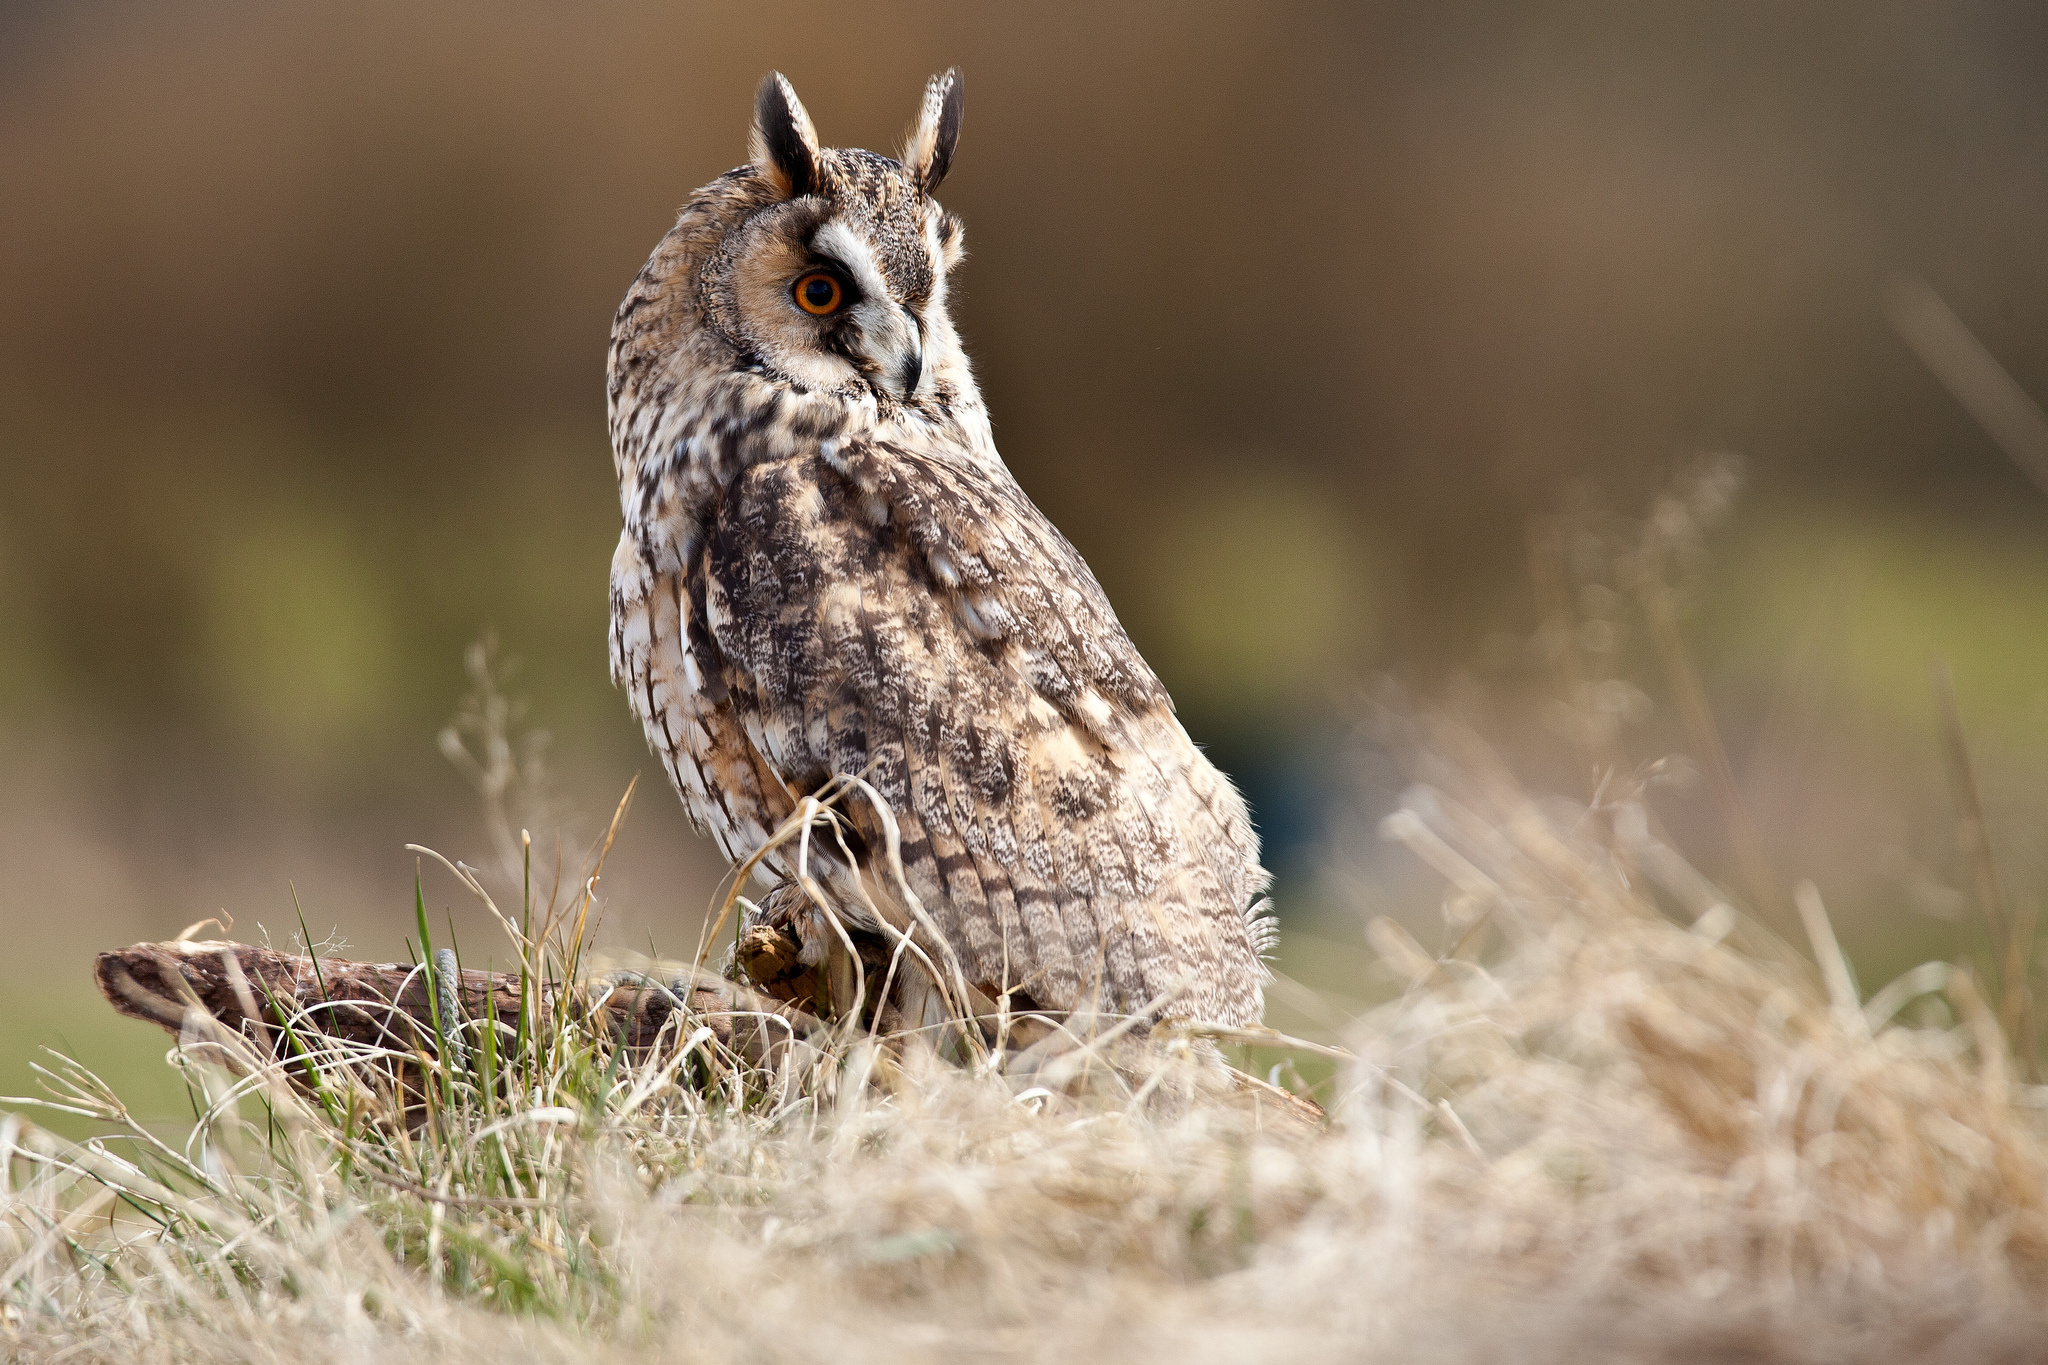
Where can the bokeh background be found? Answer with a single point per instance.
(1306, 322)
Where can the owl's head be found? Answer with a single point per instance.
(819, 270)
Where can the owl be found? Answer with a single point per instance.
(827, 570)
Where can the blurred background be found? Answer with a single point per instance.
(1352, 344)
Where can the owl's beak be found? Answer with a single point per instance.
(913, 366)
(894, 343)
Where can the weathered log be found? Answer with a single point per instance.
(250, 990)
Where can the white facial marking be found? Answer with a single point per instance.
(891, 339)
(839, 242)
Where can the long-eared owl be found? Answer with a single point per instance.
(827, 569)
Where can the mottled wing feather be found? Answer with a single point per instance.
(915, 618)
(662, 654)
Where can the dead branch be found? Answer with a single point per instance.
(251, 991)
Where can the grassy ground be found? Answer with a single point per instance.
(1615, 1122)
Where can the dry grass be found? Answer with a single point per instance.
(1613, 1124)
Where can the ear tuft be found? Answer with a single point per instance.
(928, 153)
(784, 145)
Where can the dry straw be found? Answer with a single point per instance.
(1614, 1124)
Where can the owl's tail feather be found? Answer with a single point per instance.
(787, 949)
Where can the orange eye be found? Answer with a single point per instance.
(817, 294)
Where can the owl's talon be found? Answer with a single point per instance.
(768, 955)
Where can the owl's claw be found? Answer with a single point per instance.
(768, 955)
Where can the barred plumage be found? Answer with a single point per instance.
(827, 569)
